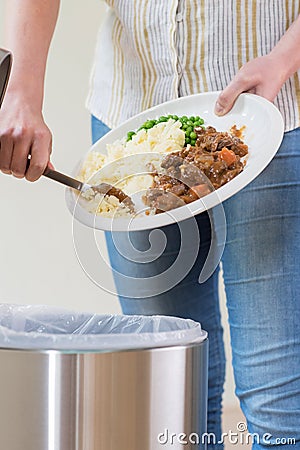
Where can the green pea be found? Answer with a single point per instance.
(149, 124)
(184, 127)
(130, 134)
(201, 121)
(192, 119)
(197, 124)
(175, 117)
(184, 118)
(190, 123)
(197, 118)
(193, 135)
(163, 119)
(193, 142)
(187, 140)
(189, 130)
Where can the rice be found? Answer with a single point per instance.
(107, 206)
(125, 171)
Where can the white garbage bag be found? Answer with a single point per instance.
(47, 328)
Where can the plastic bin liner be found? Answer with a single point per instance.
(44, 328)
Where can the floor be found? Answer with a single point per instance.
(234, 424)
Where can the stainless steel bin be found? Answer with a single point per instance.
(137, 399)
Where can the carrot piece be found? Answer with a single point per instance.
(228, 156)
(201, 190)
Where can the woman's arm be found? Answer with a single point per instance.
(29, 28)
(265, 75)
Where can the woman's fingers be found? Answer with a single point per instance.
(240, 83)
(16, 144)
(262, 76)
(226, 99)
(6, 152)
(51, 166)
(23, 132)
(22, 140)
(40, 154)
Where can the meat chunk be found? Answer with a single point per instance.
(196, 171)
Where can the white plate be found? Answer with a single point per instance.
(263, 134)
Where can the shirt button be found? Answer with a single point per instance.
(179, 17)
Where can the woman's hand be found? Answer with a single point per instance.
(263, 76)
(29, 29)
(23, 132)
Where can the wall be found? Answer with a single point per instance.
(37, 259)
(38, 262)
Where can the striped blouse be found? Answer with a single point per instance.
(151, 51)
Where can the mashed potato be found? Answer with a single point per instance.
(125, 171)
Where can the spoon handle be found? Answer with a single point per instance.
(64, 179)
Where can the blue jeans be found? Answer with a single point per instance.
(262, 280)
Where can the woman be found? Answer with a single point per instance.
(152, 51)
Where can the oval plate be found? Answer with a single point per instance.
(263, 134)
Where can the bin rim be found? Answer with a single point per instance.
(48, 352)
